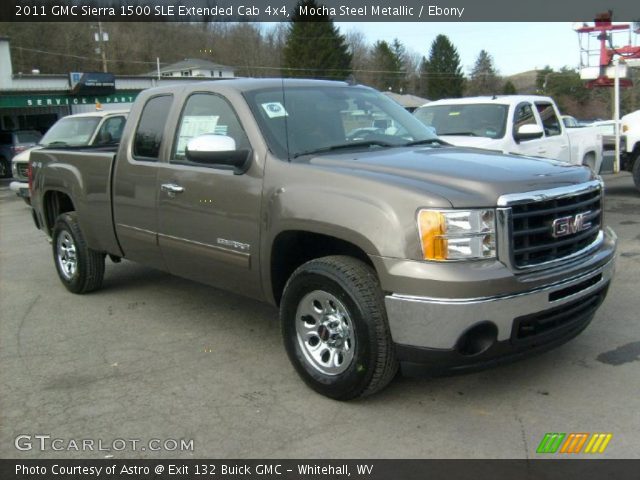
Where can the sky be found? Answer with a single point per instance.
(516, 47)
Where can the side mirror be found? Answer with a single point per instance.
(218, 150)
(528, 132)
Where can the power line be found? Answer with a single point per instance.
(442, 75)
(81, 57)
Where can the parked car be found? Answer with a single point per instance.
(84, 129)
(520, 124)
(393, 249)
(571, 122)
(12, 143)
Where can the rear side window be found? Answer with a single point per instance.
(5, 139)
(549, 119)
(148, 138)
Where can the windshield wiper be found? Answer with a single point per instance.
(344, 146)
(427, 141)
(58, 143)
(467, 134)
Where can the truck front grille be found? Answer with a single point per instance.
(22, 169)
(538, 238)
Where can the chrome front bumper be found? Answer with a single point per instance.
(438, 323)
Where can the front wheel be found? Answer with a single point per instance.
(335, 328)
(80, 269)
(635, 171)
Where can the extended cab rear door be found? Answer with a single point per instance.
(135, 192)
(209, 217)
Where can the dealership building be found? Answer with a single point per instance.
(35, 101)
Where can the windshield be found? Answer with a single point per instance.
(71, 131)
(314, 119)
(477, 120)
(28, 136)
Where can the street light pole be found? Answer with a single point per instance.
(616, 113)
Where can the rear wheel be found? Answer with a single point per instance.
(5, 169)
(80, 269)
(335, 328)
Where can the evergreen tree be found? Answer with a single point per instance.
(509, 88)
(387, 66)
(314, 47)
(484, 77)
(441, 74)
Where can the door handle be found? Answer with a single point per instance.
(171, 188)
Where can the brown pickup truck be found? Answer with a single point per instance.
(382, 245)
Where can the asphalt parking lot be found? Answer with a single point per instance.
(151, 356)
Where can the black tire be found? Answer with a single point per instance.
(355, 286)
(5, 168)
(635, 170)
(88, 272)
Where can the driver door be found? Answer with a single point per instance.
(208, 217)
(524, 115)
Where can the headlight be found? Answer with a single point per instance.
(457, 234)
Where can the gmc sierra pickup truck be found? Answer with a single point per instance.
(381, 249)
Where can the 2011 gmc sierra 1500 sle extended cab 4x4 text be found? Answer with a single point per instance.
(380, 249)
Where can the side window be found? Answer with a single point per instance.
(110, 131)
(206, 113)
(523, 116)
(146, 144)
(550, 121)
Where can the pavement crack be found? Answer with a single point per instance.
(19, 334)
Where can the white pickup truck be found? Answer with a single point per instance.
(101, 128)
(521, 124)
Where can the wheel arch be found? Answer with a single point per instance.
(292, 248)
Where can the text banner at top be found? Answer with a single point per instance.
(338, 10)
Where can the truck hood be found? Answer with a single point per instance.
(466, 177)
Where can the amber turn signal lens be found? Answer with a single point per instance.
(432, 227)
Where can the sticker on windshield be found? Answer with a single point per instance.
(454, 114)
(274, 110)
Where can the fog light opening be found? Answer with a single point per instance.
(478, 339)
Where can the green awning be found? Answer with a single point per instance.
(63, 100)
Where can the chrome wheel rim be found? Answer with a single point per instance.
(325, 333)
(66, 255)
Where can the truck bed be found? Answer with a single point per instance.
(90, 188)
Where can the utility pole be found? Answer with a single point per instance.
(102, 37)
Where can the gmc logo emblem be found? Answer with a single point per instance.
(561, 227)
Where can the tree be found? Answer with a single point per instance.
(484, 77)
(441, 74)
(314, 47)
(509, 88)
(387, 66)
